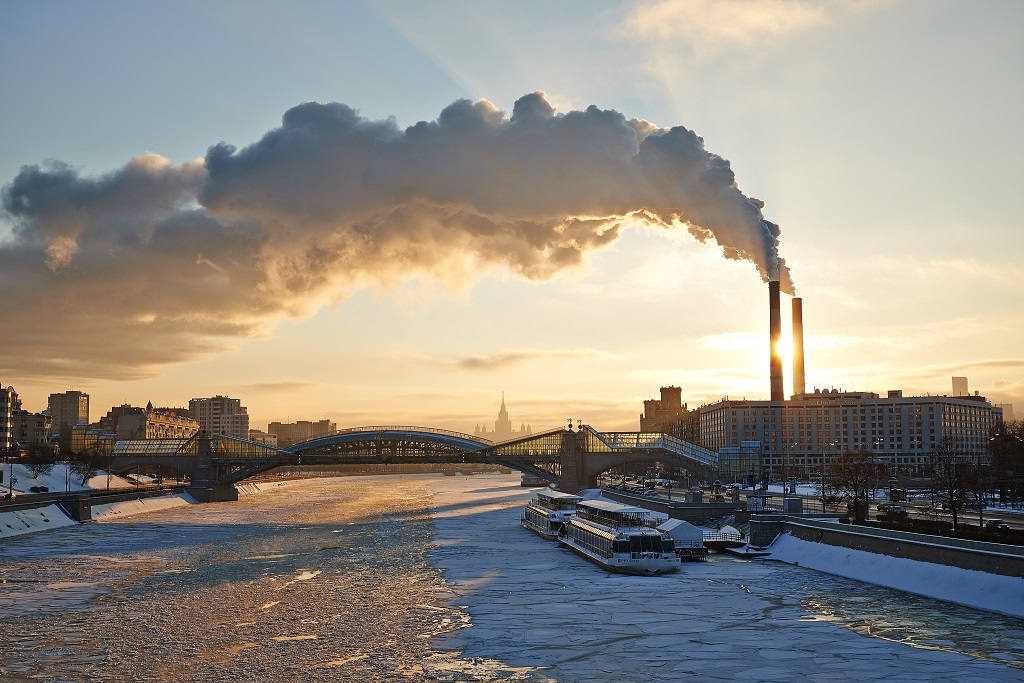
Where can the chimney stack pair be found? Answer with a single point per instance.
(778, 392)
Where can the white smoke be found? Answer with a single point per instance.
(157, 263)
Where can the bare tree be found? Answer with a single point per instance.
(853, 476)
(954, 477)
(40, 460)
(89, 462)
(1006, 448)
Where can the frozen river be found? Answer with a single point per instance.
(431, 578)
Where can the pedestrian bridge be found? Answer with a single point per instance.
(572, 458)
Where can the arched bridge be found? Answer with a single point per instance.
(572, 458)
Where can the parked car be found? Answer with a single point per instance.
(892, 509)
(996, 525)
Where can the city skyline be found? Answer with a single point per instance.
(880, 136)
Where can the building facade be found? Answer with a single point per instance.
(799, 434)
(139, 423)
(263, 437)
(669, 415)
(30, 429)
(220, 415)
(289, 433)
(67, 410)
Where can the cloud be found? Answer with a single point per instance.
(729, 22)
(510, 359)
(157, 263)
(277, 387)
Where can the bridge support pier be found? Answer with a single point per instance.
(217, 493)
(572, 478)
(78, 508)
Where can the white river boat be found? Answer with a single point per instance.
(620, 538)
(548, 512)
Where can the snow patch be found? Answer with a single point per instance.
(20, 522)
(127, 508)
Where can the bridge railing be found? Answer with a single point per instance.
(652, 441)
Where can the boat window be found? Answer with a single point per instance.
(636, 544)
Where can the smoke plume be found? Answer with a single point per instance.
(157, 263)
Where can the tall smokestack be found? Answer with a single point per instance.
(775, 338)
(798, 345)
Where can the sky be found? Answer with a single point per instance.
(399, 212)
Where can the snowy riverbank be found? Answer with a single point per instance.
(978, 589)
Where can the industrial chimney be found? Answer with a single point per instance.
(798, 345)
(775, 339)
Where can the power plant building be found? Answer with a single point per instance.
(798, 434)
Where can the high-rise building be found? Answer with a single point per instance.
(503, 426)
(67, 410)
(220, 415)
(289, 433)
(960, 387)
(9, 405)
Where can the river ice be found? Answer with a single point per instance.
(432, 579)
(534, 604)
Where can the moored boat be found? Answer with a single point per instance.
(548, 512)
(620, 538)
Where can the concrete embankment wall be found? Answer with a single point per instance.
(995, 558)
(694, 513)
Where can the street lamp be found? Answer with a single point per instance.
(10, 474)
(824, 462)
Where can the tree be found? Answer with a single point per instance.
(89, 462)
(1006, 449)
(954, 477)
(852, 476)
(40, 460)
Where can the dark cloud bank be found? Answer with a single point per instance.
(157, 263)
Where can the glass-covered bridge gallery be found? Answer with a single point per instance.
(574, 458)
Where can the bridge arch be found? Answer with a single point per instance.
(390, 441)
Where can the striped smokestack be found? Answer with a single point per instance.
(775, 339)
(798, 345)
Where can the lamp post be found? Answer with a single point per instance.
(981, 501)
(824, 463)
(10, 473)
